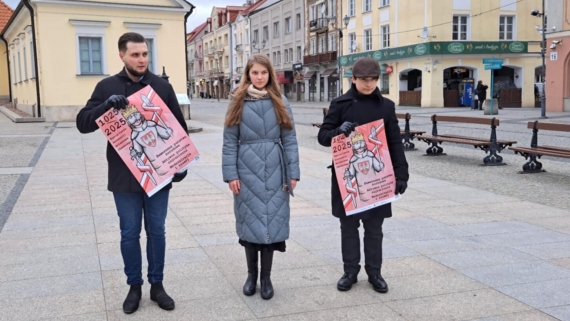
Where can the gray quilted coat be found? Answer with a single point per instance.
(264, 157)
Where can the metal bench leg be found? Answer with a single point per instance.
(532, 166)
(434, 150)
(408, 145)
(493, 159)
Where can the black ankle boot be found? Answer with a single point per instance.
(252, 271)
(265, 280)
(158, 295)
(131, 303)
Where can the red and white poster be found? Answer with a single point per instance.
(149, 139)
(363, 168)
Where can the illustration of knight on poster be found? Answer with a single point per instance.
(363, 168)
(149, 139)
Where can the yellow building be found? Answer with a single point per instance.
(57, 57)
(5, 14)
(431, 51)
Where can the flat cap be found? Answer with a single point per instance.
(366, 67)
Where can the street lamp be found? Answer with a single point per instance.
(542, 30)
(254, 43)
(346, 20)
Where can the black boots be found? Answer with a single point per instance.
(266, 286)
(158, 295)
(346, 281)
(252, 271)
(378, 283)
(131, 303)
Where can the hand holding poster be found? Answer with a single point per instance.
(149, 139)
(363, 168)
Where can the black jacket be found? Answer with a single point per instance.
(481, 91)
(362, 109)
(120, 177)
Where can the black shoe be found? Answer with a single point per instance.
(131, 303)
(378, 283)
(266, 288)
(158, 295)
(252, 271)
(346, 281)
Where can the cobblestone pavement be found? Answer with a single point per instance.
(466, 242)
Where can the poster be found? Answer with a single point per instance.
(363, 168)
(149, 139)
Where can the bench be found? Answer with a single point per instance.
(407, 134)
(491, 145)
(536, 151)
(318, 125)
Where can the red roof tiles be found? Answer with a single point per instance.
(5, 14)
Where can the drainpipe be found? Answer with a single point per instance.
(38, 97)
(186, 15)
(8, 62)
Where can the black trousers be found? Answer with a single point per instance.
(481, 104)
(350, 242)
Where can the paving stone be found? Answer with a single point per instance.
(413, 265)
(520, 273)
(480, 258)
(527, 238)
(60, 268)
(540, 295)
(457, 306)
(51, 286)
(371, 312)
(561, 312)
(424, 234)
(497, 228)
(548, 251)
(520, 316)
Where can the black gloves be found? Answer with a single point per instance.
(116, 101)
(346, 128)
(401, 186)
(179, 176)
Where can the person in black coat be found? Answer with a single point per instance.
(481, 93)
(362, 104)
(130, 199)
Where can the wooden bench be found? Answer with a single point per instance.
(536, 151)
(318, 125)
(491, 145)
(407, 134)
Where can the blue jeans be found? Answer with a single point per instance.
(132, 209)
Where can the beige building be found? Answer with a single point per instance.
(195, 60)
(431, 51)
(57, 57)
(5, 14)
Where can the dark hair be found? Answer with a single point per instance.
(130, 37)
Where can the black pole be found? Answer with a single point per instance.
(38, 98)
(8, 65)
(543, 96)
(164, 76)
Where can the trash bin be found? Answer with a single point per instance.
(184, 103)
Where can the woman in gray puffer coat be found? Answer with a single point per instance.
(261, 165)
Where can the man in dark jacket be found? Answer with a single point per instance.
(481, 93)
(130, 199)
(362, 104)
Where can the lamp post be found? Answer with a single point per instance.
(542, 30)
(254, 45)
(346, 20)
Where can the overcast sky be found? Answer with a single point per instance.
(199, 15)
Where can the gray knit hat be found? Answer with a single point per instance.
(366, 67)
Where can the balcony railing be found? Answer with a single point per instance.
(198, 55)
(239, 70)
(320, 58)
(318, 24)
(239, 48)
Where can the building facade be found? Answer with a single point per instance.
(195, 61)
(277, 30)
(431, 51)
(5, 14)
(557, 80)
(49, 82)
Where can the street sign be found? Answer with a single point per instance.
(489, 61)
(493, 66)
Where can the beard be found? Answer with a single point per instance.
(135, 72)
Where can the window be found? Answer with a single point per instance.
(313, 46)
(274, 58)
(385, 89)
(25, 64)
(90, 53)
(332, 8)
(32, 58)
(299, 53)
(286, 55)
(266, 33)
(366, 5)
(90, 37)
(276, 29)
(225, 40)
(14, 69)
(256, 35)
(332, 42)
(384, 3)
(288, 25)
(322, 44)
(385, 36)
(367, 39)
(19, 68)
(460, 31)
(352, 42)
(278, 57)
(150, 46)
(351, 8)
(312, 13)
(291, 55)
(506, 28)
(298, 21)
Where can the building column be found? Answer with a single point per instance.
(307, 89)
(432, 88)
(326, 83)
(318, 85)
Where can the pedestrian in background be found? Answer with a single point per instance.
(481, 93)
(260, 163)
(362, 104)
